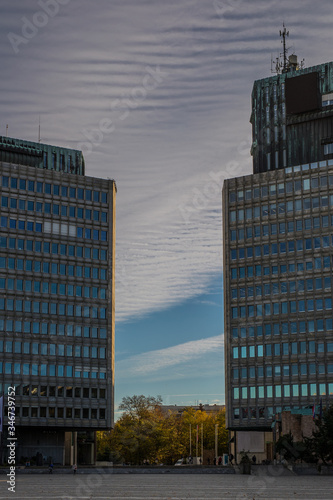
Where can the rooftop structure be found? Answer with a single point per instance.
(292, 118)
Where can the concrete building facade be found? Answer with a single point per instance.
(278, 240)
(278, 292)
(57, 250)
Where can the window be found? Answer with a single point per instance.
(328, 149)
(304, 389)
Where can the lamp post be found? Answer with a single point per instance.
(216, 437)
(202, 443)
(190, 440)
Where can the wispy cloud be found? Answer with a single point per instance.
(171, 362)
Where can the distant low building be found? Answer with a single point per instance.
(180, 409)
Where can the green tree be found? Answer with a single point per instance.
(146, 432)
(140, 406)
(136, 436)
(173, 444)
(213, 419)
(322, 437)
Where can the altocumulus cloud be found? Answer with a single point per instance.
(194, 122)
(170, 362)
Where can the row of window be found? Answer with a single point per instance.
(283, 247)
(91, 234)
(19, 285)
(55, 189)
(44, 328)
(283, 327)
(46, 349)
(267, 412)
(49, 370)
(46, 247)
(287, 187)
(60, 391)
(53, 208)
(55, 228)
(255, 412)
(277, 308)
(273, 229)
(282, 391)
(284, 349)
(268, 250)
(53, 308)
(300, 266)
(38, 266)
(64, 166)
(282, 208)
(281, 287)
(294, 370)
(58, 412)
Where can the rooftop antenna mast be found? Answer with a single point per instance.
(284, 33)
(39, 130)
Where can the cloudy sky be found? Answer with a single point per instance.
(157, 95)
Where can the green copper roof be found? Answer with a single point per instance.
(40, 155)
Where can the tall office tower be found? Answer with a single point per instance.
(292, 117)
(278, 240)
(57, 250)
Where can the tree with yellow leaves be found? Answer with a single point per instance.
(147, 434)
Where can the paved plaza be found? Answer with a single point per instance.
(167, 486)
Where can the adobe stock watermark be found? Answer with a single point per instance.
(87, 484)
(30, 27)
(95, 136)
(201, 199)
(223, 6)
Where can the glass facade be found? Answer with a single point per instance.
(57, 294)
(278, 240)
